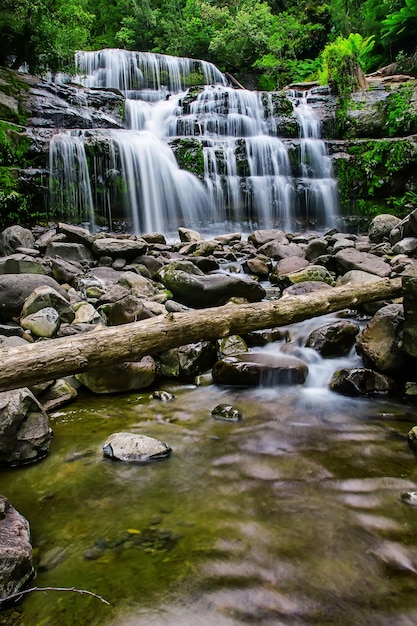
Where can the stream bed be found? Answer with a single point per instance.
(291, 516)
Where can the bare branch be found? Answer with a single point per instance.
(18, 594)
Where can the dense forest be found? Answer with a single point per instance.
(278, 42)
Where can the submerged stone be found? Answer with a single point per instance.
(227, 413)
(135, 448)
(361, 381)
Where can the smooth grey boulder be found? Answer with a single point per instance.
(315, 248)
(45, 296)
(408, 245)
(138, 285)
(25, 435)
(277, 250)
(378, 343)
(134, 448)
(351, 259)
(260, 369)
(15, 288)
(188, 361)
(127, 249)
(333, 340)
(188, 235)
(381, 226)
(16, 566)
(306, 286)
(362, 381)
(14, 237)
(64, 271)
(128, 376)
(290, 265)
(193, 288)
(75, 234)
(72, 252)
(260, 237)
(85, 313)
(307, 274)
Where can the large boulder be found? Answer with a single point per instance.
(195, 289)
(188, 361)
(257, 368)
(25, 435)
(378, 343)
(45, 296)
(351, 259)
(15, 237)
(128, 376)
(361, 381)
(16, 567)
(381, 226)
(15, 288)
(115, 248)
(335, 339)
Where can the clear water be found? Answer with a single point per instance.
(293, 516)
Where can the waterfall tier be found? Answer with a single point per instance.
(244, 171)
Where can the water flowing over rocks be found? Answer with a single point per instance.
(259, 369)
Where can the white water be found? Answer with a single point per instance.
(248, 179)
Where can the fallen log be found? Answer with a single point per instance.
(47, 360)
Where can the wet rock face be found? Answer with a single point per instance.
(15, 288)
(16, 567)
(25, 435)
(134, 448)
(362, 382)
(127, 376)
(254, 369)
(334, 339)
(378, 343)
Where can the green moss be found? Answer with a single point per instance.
(189, 155)
(401, 115)
(378, 175)
(14, 146)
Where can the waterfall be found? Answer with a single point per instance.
(242, 175)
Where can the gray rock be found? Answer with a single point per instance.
(138, 285)
(315, 248)
(128, 376)
(277, 250)
(188, 361)
(25, 435)
(16, 567)
(381, 226)
(21, 264)
(45, 296)
(43, 323)
(260, 237)
(128, 309)
(60, 393)
(308, 274)
(231, 345)
(85, 313)
(193, 288)
(378, 343)
(15, 237)
(135, 448)
(405, 246)
(362, 382)
(256, 368)
(351, 259)
(127, 249)
(75, 234)
(306, 286)
(73, 252)
(335, 339)
(64, 271)
(290, 264)
(187, 235)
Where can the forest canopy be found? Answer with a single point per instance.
(277, 42)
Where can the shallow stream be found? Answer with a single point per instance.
(292, 516)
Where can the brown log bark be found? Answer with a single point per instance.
(47, 360)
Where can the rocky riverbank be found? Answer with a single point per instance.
(62, 281)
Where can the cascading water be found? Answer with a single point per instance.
(242, 175)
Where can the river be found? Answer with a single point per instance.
(291, 516)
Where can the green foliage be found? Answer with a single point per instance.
(401, 115)
(342, 63)
(398, 25)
